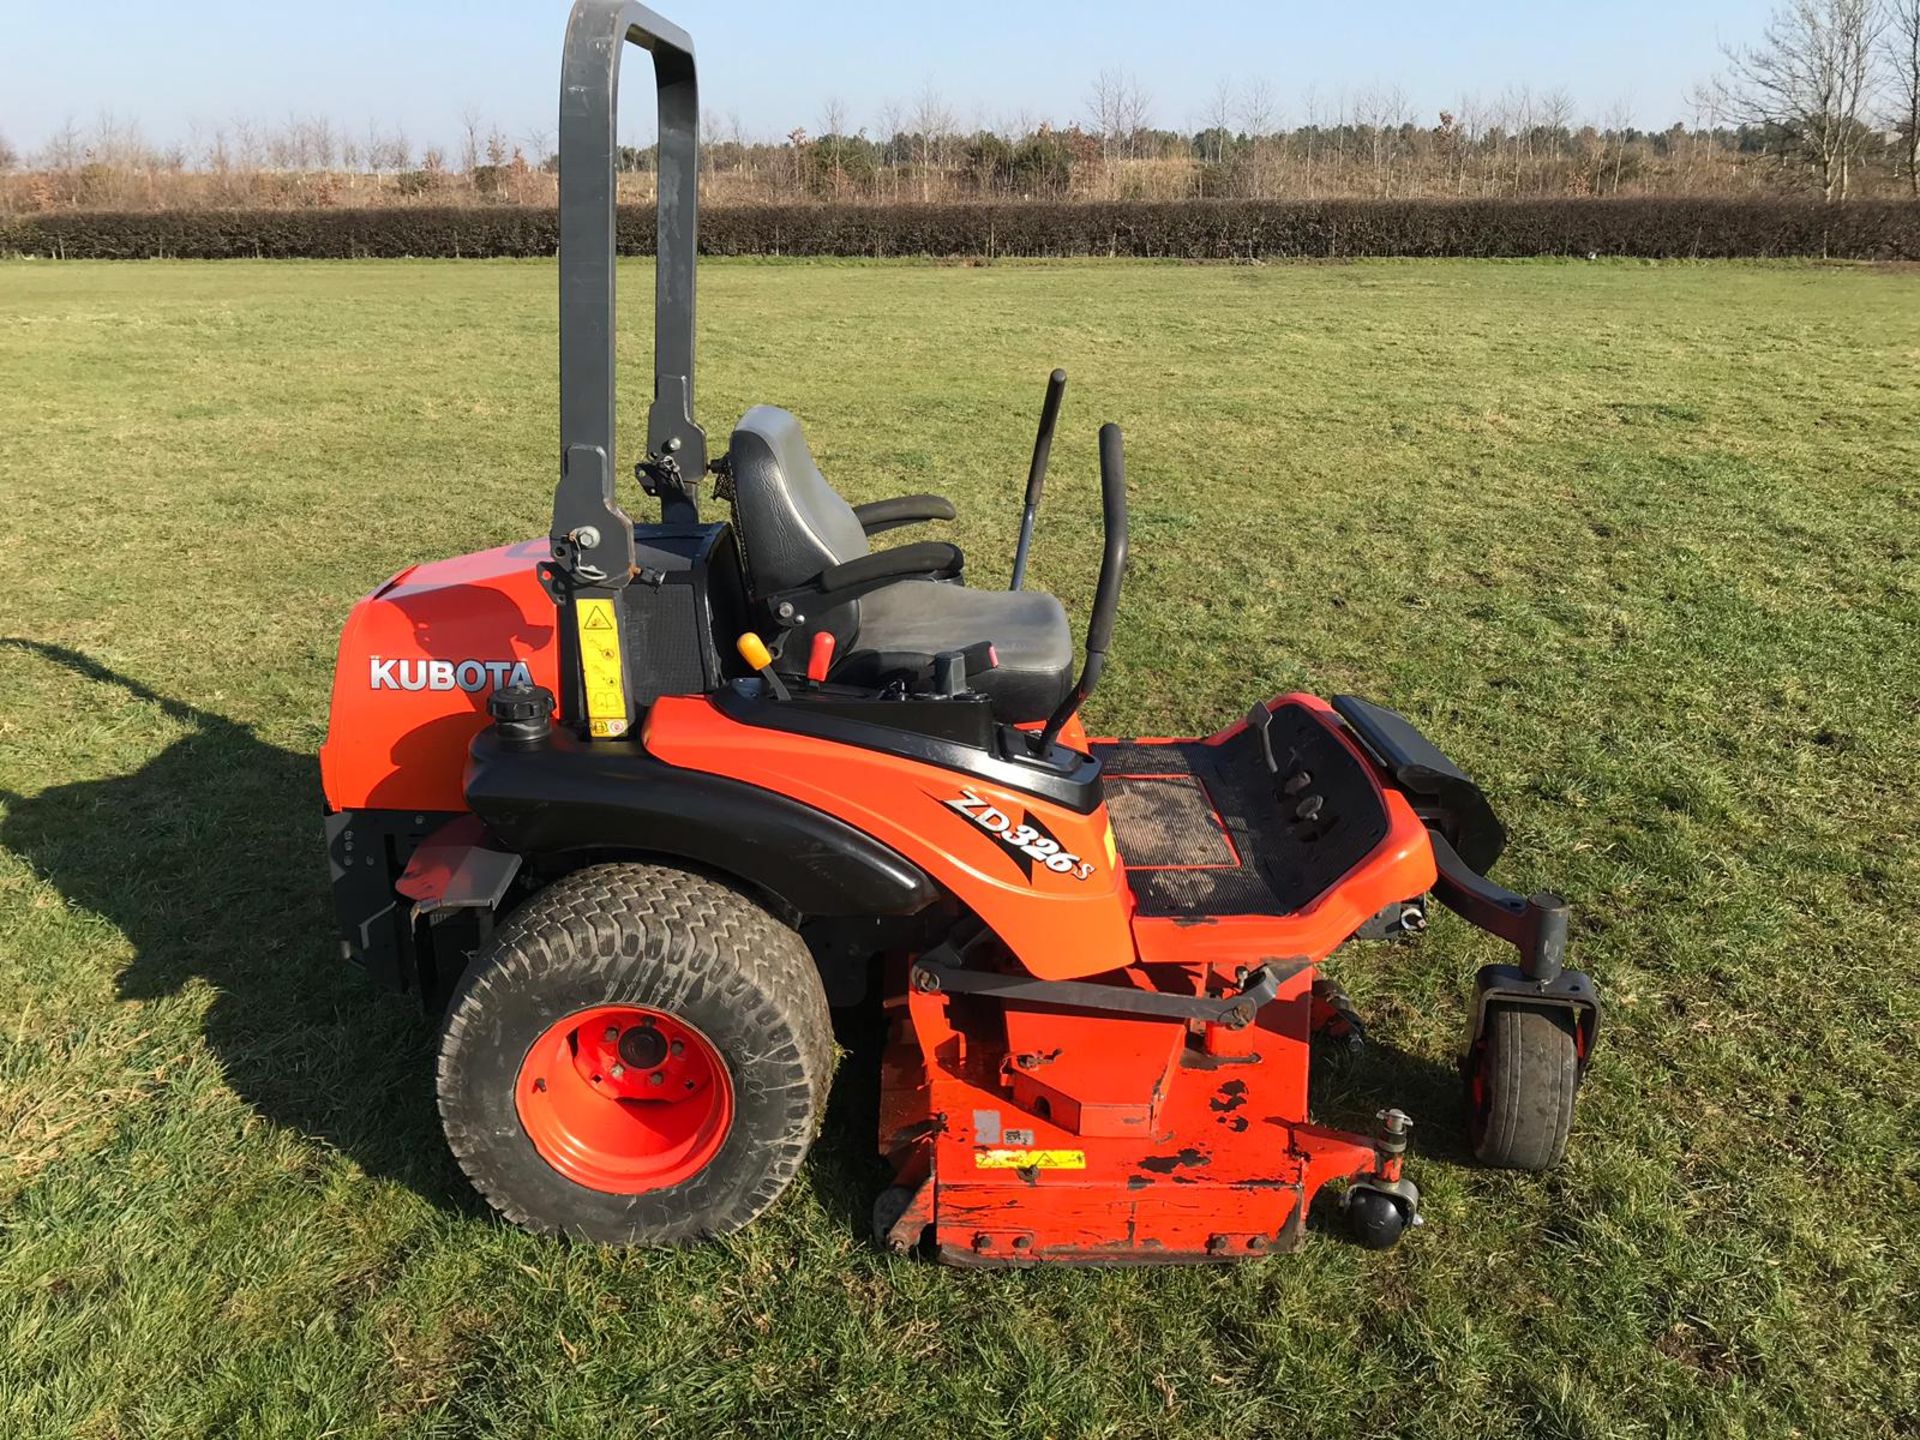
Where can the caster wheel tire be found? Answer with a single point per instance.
(640, 1056)
(1375, 1219)
(1521, 1077)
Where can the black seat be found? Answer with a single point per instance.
(792, 526)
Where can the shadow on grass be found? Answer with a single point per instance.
(1349, 1092)
(845, 1168)
(208, 858)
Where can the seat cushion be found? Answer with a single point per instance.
(904, 626)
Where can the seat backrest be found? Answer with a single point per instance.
(791, 523)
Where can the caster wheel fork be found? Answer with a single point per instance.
(1381, 1207)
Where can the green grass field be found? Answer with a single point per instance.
(1636, 544)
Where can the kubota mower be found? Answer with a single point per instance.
(635, 803)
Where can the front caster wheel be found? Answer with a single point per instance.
(1521, 1077)
(639, 1057)
(1377, 1217)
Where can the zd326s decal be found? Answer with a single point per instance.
(1026, 837)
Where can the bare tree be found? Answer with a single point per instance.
(1311, 107)
(1103, 109)
(737, 138)
(539, 140)
(890, 121)
(1118, 108)
(1619, 123)
(248, 148)
(1515, 119)
(388, 150)
(327, 140)
(932, 124)
(65, 148)
(1469, 117)
(833, 128)
(118, 142)
(1219, 116)
(209, 143)
(471, 123)
(1902, 49)
(1257, 109)
(1135, 111)
(1380, 114)
(1556, 118)
(1256, 123)
(9, 157)
(1811, 76)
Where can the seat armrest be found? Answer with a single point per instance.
(929, 559)
(849, 580)
(878, 515)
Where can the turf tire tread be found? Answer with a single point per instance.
(673, 940)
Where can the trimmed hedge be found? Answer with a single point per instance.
(1197, 230)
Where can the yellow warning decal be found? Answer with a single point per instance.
(1030, 1159)
(600, 667)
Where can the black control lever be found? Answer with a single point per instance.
(1106, 595)
(1037, 473)
(952, 669)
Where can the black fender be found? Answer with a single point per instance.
(562, 795)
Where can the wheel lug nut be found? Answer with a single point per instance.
(618, 1071)
(612, 1034)
(656, 1078)
(679, 1047)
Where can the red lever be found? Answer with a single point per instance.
(820, 658)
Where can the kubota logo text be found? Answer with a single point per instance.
(472, 676)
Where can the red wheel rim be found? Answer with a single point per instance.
(623, 1099)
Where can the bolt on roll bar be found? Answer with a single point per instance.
(592, 536)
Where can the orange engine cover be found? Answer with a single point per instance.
(418, 658)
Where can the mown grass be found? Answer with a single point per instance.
(1635, 543)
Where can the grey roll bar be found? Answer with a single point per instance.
(592, 536)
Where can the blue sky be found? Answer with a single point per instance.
(420, 66)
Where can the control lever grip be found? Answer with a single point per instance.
(1037, 473)
(1106, 594)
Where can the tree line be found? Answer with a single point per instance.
(1826, 100)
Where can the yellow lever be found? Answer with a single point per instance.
(754, 651)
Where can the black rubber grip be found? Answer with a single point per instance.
(1113, 558)
(935, 559)
(903, 510)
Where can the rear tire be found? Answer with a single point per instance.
(737, 991)
(1521, 1079)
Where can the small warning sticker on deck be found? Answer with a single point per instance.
(1001, 1159)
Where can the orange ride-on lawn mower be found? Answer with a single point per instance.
(636, 803)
